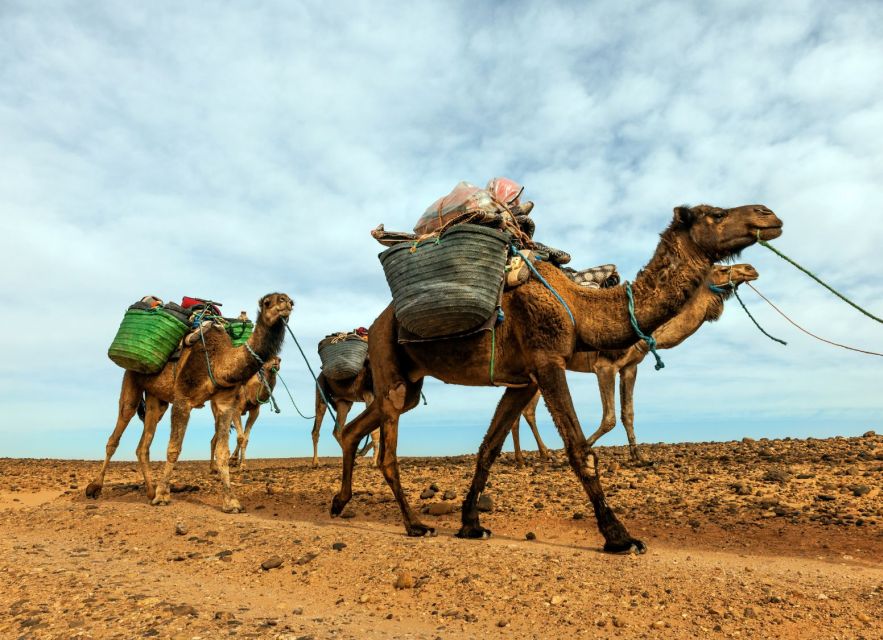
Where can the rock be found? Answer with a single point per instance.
(450, 494)
(859, 490)
(538, 505)
(180, 529)
(441, 508)
(404, 580)
(618, 622)
(339, 546)
(224, 616)
(824, 497)
(750, 613)
(427, 494)
(485, 503)
(659, 624)
(747, 440)
(869, 434)
(863, 617)
(530, 535)
(579, 515)
(742, 489)
(777, 475)
(307, 558)
(347, 514)
(434, 487)
(211, 534)
(273, 562)
(502, 623)
(364, 598)
(556, 600)
(184, 610)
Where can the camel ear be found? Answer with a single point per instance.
(684, 216)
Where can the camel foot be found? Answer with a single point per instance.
(474, 532)
(214, 470)
(93, 490)
(337, 505)
(519, 462)
(162, 497)
(231, 505)
(628, 545)
(315, 464)
(420, 530)
(151, 492)
(234, 461)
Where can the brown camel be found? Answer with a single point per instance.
(533, 346)
(343, 393)
(246, 398)
(187, 384)
(706, 305)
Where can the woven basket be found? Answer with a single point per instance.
(239, 331)
(447, 287)
(146, 339)
(343, 359)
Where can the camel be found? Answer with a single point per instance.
(247, 398)
(706, 305)
(343, 393)
(533, 346)
(188, 384)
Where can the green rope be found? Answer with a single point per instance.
(208, 362)
(493, 350)
(756, 323)
(318, 386)
(650, 340)
(273, 404)
(292, 400)
(766, 244)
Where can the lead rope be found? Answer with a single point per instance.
(292, 400)
(766, 244)
(732, 286)
(321, 393)
(650, 340)
(543, 280)
(273, 404)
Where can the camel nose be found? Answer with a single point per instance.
(763, 211)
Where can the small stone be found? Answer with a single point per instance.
(750, 613)
(180, 529)
(530, 535)
(298, 611)
(339, 546)
(618, 622)
(427, 494)
(347, 514)
(434, 487)
(273, 562)
(859, 490)
(306, 558)
(863, 617)
(659, 624)
(556, 600)
(450, 494)
(579, 515)
(211, 534)
(824, 497)
(224, 616)
(869, 434)
(364, 598)
(404, 580)
(538, 505)
(485, 503)
(184, 610)
(441, 508)
(502, 623)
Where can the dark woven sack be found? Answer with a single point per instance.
(342, 358)
(447, 286)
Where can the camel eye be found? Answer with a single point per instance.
(719, 215)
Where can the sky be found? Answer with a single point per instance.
(227, 150)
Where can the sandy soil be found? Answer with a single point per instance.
(767, 539)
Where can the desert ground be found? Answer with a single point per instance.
(746, 539)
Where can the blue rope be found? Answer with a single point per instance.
(650, 340)
(543, 280)
(321, 393)
(731, 286)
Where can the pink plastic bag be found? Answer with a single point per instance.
(463, 200)
(505, 191)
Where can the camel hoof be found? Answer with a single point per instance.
(629, 545)
(161, 501)
(337, 505)
(420, 531)
(93, 490)
(214, 470)
(151, 492)
(474, 532)
(232, 505)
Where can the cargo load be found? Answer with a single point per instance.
(343, 354)
(147, 336)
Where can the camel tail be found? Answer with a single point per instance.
(142, 408)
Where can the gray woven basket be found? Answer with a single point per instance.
(447, 287)
(343, 359)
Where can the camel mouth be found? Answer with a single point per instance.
(768, 232)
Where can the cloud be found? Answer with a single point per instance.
(227, 152)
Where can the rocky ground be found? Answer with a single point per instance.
(750, 539)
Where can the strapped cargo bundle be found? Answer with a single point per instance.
(343, 354)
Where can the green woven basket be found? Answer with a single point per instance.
(447, 287)
(240, 332)
(146, 339)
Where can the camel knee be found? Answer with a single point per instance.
(395, 397)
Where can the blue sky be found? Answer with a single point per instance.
(230, 150)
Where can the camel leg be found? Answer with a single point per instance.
(130, 396)
(375, 444)
(317, 424)
(627, 377)
(235, 457)
(516, 442)
(222, 457)
(364, 424)
(180, 417)
(530, 414)
(390, 468)
(607, 388)
(509, 408)
(155, 409)
(252, 418)
(342, 409)
(553, 385)
(212, 466)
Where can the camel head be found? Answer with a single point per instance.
(274, 308)
(724, 274)
(723, 233)
(272, 363)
